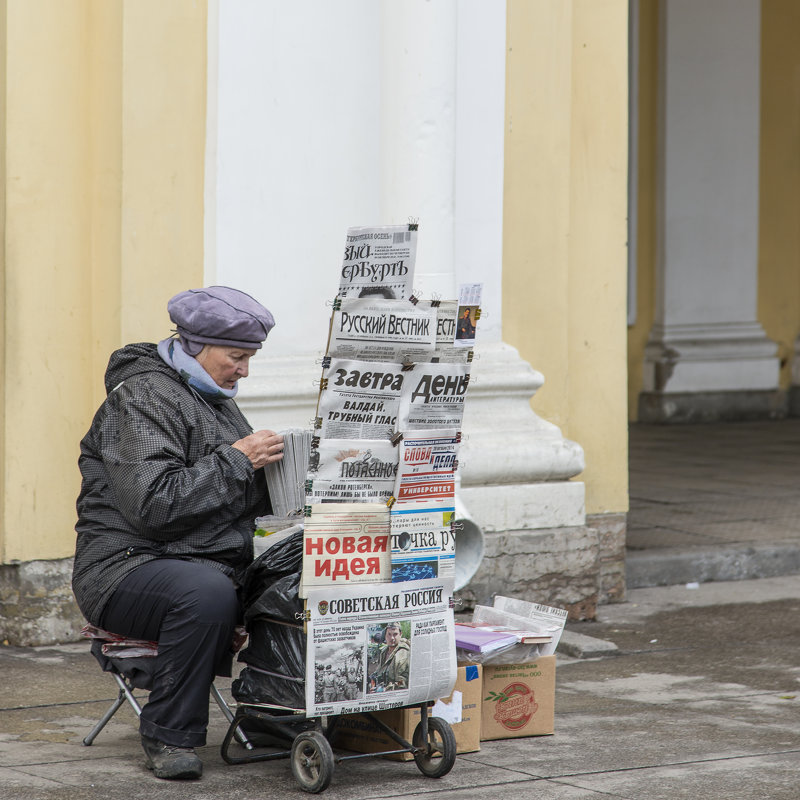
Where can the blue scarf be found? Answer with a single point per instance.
(190, 370)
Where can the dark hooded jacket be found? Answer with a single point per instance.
(160, 479)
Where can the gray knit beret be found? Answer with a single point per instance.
(219, 315)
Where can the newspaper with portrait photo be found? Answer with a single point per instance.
(397, 640)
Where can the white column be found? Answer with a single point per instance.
(706, 337)
(358, 113)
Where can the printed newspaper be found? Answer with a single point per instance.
(447, 350)
(378, 647)
(374, 329)
(345, 543)
(423, 540)
(432, 396)
(351, 471)
(359, 399)
(426, 465)
(379, 262)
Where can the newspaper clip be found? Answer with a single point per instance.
(470, 356)
(336, 303)
(306, 511)
(316, 423)
(323, 384)
(413, 299)
(397, 438)
(435, 303)
(309, 484)
(407, 365)
(477, 314)
(391, 501)
(303, 616)
(413, 223)
(326, 362)
(315, 439)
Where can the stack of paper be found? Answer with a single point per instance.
(482, 640)
(286, 478)
(523, 635)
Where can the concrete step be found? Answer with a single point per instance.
(666, 566)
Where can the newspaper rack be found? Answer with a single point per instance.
(377, 585)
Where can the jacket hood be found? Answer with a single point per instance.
(134, 359)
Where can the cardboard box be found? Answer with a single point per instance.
(356, 733)
(518, 700)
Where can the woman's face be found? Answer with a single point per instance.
(225, 364)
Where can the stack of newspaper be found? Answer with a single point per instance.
(286, 478)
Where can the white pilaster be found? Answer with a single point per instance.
(706, 337)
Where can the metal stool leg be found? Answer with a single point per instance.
(124, 694)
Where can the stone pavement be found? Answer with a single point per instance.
(701, 699)
(713, 502)
(679, 692)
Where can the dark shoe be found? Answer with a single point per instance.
(172, 763)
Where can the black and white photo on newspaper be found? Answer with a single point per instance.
(404, 633)
(359, 399)
(379, 262)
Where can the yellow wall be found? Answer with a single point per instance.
(779, 199)
(647, 97)
(565, 209)
(104, 126)
(779, 190)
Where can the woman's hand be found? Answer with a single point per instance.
(261, 447)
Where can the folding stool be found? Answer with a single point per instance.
(126, 661)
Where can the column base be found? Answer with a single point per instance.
(553, 566)
(696, 407)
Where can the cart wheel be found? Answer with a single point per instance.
(440, 754)
(312, 761)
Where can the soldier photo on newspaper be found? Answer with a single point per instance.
(389, 656)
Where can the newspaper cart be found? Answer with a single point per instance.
(306, 741)
(314, 659)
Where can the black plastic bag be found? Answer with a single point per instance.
(273, 612)
(271, 584)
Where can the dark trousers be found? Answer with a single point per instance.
(190, 610)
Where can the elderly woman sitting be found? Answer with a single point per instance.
(172, 483)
